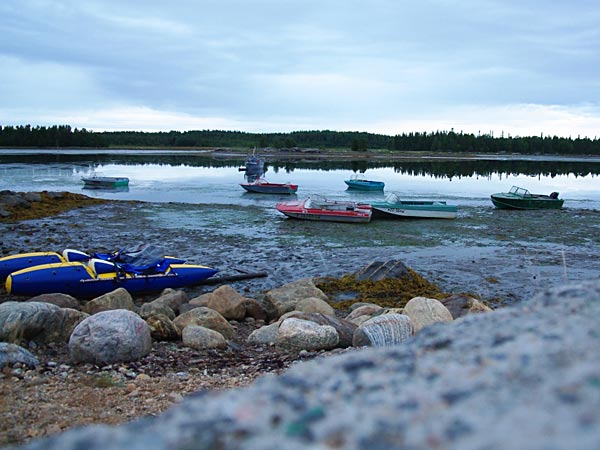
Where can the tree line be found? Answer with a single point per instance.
(63, 136)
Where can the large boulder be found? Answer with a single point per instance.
(201, 338)
(225, 300)
(383, 331)
(264, 335)
(254, 309)
(462, 304)
(425, 311)
(366, 309)
(35, 321)
(110, 336)
(315, 305)
(205, 317)
(380, 270)
(11, 354)
(301, 334)
(120, 298)
(58, 299)
(172, 299)
(162, 328)
(344, 328)
(153, 309)
(283, 299)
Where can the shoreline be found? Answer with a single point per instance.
(342, 154)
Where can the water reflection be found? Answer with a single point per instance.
(199, 178)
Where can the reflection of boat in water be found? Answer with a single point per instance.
(519, 198)
(394, 208)
(254, 165)
(317, 207)
(363, 184)
(101, 182)
(262, 186)
(108, 189)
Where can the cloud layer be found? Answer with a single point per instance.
(520, 67)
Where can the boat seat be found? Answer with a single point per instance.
(100, 266)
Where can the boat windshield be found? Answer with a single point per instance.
(392, 197)
(519, 191)
(316, 201)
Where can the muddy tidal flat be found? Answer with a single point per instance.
(500, 256)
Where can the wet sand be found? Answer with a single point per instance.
(502, 257)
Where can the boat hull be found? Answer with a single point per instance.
(271, 188)
(365, 185)
(326, 217)
(105, 182)
(13, 263)
(328, 211)
(407, 212)
(78, 280)
(508, 201)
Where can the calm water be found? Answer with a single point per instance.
(196, 178)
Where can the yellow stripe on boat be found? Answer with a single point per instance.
(55, 266)
(30, 255)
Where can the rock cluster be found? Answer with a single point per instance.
(111, 328)
(524, 376)
(31, 205)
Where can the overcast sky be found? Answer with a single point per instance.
(518, 67)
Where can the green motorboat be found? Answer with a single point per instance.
(519, 198)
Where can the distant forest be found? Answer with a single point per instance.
(63, 136)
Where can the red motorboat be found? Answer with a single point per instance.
(316, 207)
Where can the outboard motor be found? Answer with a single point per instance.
(554, 195)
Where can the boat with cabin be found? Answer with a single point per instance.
(254, 165)
(520, 198)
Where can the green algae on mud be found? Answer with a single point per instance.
(46, 205)
(389, 292)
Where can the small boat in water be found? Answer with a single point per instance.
(262, 186)
(363, 184)
(395, 208)
(519, 198)
(317, 207)
(101, 182)
(254, 165)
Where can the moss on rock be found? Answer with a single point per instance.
(389, 292)
(18, 206)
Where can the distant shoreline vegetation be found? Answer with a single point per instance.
(63, 136)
